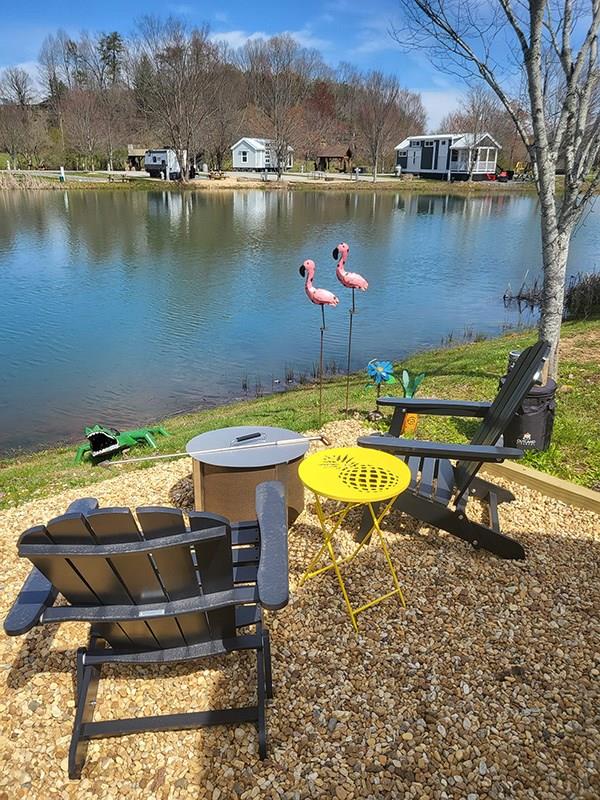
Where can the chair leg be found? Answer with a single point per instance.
(261, 722)
(267, 659)
(481, 488)
(458, 524)
(79, 674)
(86, 705)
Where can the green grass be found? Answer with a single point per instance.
(468, 372)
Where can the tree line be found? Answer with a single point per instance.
(175, 85)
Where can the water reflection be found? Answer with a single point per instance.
(121, 306)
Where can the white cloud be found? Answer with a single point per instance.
(439, 103)
(238, 38)
(181, 9)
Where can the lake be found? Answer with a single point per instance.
(122, 307)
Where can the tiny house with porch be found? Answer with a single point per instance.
(448, 155)
(258, 154)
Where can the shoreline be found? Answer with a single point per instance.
(469, 372)
(25, 182)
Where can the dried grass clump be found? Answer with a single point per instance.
(10, 180)
(582, 298)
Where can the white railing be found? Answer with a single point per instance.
(485, 166)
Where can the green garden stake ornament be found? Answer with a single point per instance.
(410, 384)
(105, 442)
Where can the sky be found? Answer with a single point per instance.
(342, 30)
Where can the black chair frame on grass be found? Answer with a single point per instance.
(158, 593)
(439, 489)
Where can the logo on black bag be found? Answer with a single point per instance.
(526, 441)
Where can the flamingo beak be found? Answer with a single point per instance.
(336, 253)
(302, 270)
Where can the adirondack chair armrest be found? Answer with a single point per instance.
(436, 407)
(83, 506)
(273, 572)
(418, 447)
(36, 595)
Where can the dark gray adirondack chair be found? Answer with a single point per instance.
(439, 490)
(157, 593)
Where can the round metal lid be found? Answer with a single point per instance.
(248, 457)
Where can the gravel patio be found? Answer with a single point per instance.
(486, 686)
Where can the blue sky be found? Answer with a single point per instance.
(343, 30)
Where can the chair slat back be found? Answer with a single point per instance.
(175, 565)
(164, 575)
(137, 572)
(518, 382)
(215, 565)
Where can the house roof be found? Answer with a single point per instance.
(256, 144)
(460, 141)
(336, 151)
(252, 143)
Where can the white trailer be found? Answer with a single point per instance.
(162, 164)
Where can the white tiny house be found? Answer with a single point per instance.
(258, 154)
(448, 155)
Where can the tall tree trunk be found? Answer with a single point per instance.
(555, 252)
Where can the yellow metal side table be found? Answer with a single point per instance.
(354, 476)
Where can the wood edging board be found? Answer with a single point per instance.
(559, 489)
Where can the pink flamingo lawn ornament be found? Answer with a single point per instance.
(351, 280)
(320, 297)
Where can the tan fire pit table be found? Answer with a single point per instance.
(225, 481)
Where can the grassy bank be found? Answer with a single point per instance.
(97, 182)
(470, 372)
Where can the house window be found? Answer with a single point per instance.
(428, 144)
(154, 159)
(415, 143)
(443, 141)
(454, 156)
(267, 158)
(244, 156)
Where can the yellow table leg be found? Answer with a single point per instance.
(335, 564)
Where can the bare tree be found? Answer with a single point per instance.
(481, 112)
(377, 101)
(84, 124)
(16, 87)
(224, 124)
(279, 73)
(347, 95)
(174, 70)
(22, 123)
(553, 48)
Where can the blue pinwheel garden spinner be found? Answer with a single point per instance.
(380, 372)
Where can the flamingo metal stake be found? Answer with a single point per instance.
(320, 297)
(351, 280)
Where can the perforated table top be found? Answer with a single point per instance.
(354, 474)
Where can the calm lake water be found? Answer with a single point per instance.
(121, 307)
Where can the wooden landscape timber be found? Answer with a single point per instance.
(549, 485)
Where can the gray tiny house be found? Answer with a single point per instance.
(258, 154)
(448, 155)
